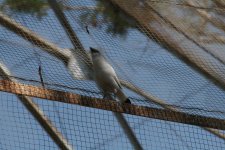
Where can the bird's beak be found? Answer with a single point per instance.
(93, 50)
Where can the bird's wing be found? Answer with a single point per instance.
(80, 68)
(117, 81)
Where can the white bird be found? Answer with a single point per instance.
(106, 78)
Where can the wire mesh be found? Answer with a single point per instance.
(172, 50)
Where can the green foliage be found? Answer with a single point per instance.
(33, 7)
(107, 13)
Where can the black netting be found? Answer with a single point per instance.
(171, 50)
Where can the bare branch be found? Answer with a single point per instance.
(168, 44)
(212, 38)
(37, 113)
(214, 21)
(82, 53)
(144, 15)
(32, 37)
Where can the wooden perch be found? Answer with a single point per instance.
(80, 52)
(150, 32)
(110, 105)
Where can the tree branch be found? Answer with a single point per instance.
(37, 113)
(111, 105)
(144, 16)
(10, 24)
(82, 53)
(167, 43)
(204, 14)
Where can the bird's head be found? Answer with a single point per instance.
(94, 52)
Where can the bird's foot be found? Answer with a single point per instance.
(127, 101)
(108, 96)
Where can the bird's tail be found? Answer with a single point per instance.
(122, 97)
